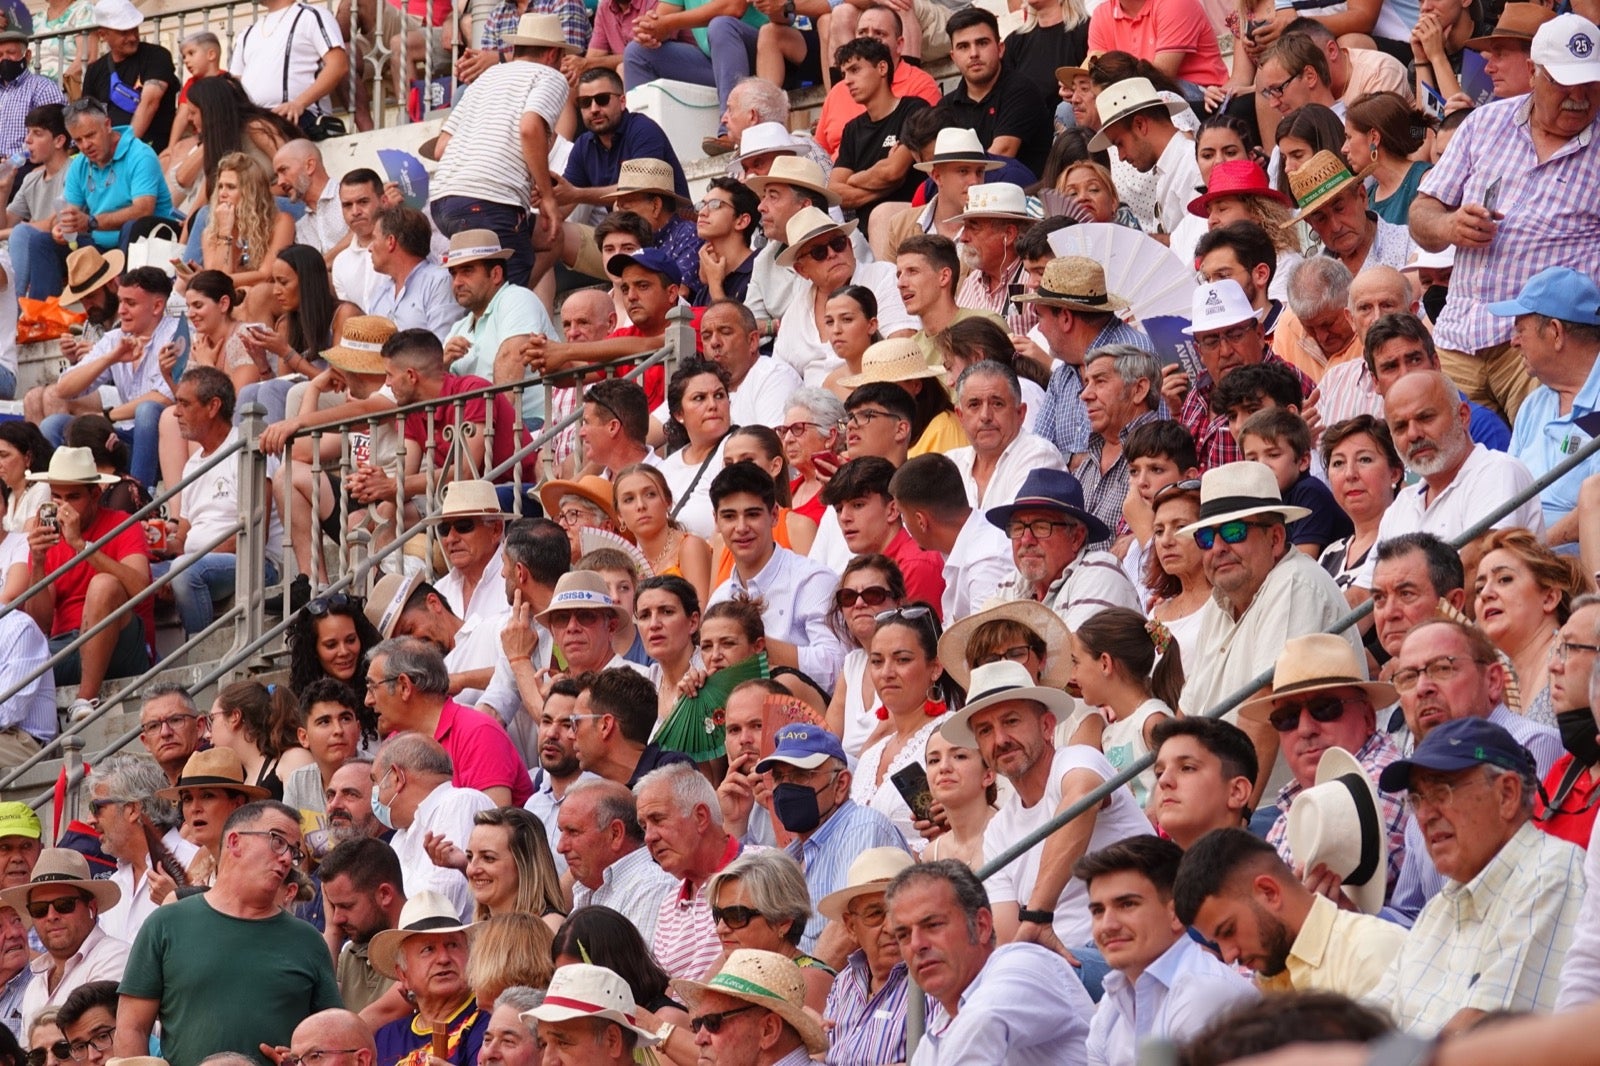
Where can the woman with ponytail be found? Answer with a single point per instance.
(260, 724)
(1115, 667)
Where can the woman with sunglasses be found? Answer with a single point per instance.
(760, 901)
(259, 724)
(643, 501)
(850, 325)
(1175, 568)
(47, 1044)
(331, 731)
(697, 403)
(870, 585)
(965, 793)
(1114, 667)
(331, 638)
(791, 529)
(914, 697)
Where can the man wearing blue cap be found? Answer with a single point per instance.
(811, 797)
(1495, 936)
(1556, 327)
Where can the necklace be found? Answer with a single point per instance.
(674, 538)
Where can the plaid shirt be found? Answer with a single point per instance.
(1064, 422)
(1379, 751)
(19, 97)
(574, 17)
(501, 23)
(1104, 492)
(1213, 443)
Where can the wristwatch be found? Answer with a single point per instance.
(1036, 917)
(664, 1033)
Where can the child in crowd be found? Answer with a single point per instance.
(1159, 454)
(1115, 667)
(1280, 438)
(202, 58)
(36, 199)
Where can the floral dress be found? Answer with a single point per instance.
(56, 55)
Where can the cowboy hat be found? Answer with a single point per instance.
(89, 270)
(767, 980)
(1002, 682)
(1316, 662)
(389, 598)
(585, 590)
(764, 138)
(957, 146)
(1032, 614)
(1125, 99)
(591, 487)
(471, 498)
(360, 347)
(1050, 490)
(797, 171)
(1322, 178)
(896, 359)
(1236, 177)
(473, 245)
(807, 225)
(540, 31)
(58, 867)
(580, 990)
(213, 768)
(1076, 283)
(425, 913)
(1240, 490)
(1338, 821)
(1518, 22)
(73, 466)
(869, 875)
(997, 199)
(652, 176)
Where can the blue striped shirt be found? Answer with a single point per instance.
(827, 853)
(1064, 422)
(34, 708)
(869, 1028)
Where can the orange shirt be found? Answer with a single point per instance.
(838, 108)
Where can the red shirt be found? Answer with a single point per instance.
(1162, 26)
(482, 752)
(654, 379)
(506, 439)
(72, 586)
(923, 570)
(1573, 828)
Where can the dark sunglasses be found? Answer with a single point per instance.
(1286, 719)
(910, 614)
(458, 526)
(1230, 532)
(1177, 488)
(60, 1049)
(833, 247)
(338, 603)
(64, 905)
(712, 1023)
(872, 596)
(734, 917)
(598, 99)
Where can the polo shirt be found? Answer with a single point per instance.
(481, 751)
(1543, 438)
(593, 165)
(1013, 107)
(1337, 951)
(132, 172)
(1162, 26)
(762, 398)
(513, 311)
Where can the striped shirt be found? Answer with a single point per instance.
(488, 164)
(869, 1028)
(633, 885)
(1105, 491)
(979, 293)
(686, 943)
(1552, 215)
(1092, 582)
(1064, 422)
(1214, 444)
(827, 853)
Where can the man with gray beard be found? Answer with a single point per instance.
(349, 804)
(1458, 481)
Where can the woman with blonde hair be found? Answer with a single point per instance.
(508, 866)
(507, 950)
(642, 499)
(1090, 185)
(245, 231)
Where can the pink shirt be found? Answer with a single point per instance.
(482, 752)
(1161, 26)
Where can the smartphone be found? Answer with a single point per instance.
(47, 515)
(912, 784)
(1491, 196)
(828, 458)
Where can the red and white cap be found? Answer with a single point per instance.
(584, 991)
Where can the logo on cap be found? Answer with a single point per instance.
(794, 733)
(1580, 45)
(1213, 300)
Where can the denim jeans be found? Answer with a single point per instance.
(512, 225)
(142, 440)
(272, 394)
(732, 58)
(1091, 969)
(39, 262)
(209, 578)
(8, 384)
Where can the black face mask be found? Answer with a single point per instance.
(797, 807)
(11, 69)
(1433, 301)
(1580, 735)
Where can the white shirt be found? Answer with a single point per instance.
(322, 226)
(695, 515)
(211, 503)
(1024, 1008)
(477, 648)
(447, 811)
(353, 273)
(258, 56)
(488, 596)
(133, 380)
(1027, 453)
(99, 958)
(1177, 995)
(126, 919)
(802, 347)
(1580, 972)
(633, 885)
(763, 396)
(1177, 175)
(798, 598)
(978, 561)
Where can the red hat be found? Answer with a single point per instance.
(1236, 177)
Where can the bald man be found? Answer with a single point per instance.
(299, 174)
(336, 1030)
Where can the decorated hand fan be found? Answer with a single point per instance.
(590, 538)
(695, 725)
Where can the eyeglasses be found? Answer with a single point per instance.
(1563, 651)
(871, 917)
(96, 806)
(315, 1056)
(279, 845)
(584, 103)
(100, 1040)
(1272, 92)
(911, 613)
(1231, 533)
(173, 722)
(573, 516)
(1177, 488)
(735, 917)
(1016, 654)
(794, 429)
(1041, 528)
(709, 204)
(338, 603)
(872, 596)
(571, 721)
(375, 682)
(1212, 342)
(60, 1050)
(459, 526)
(1285, 719)
(586, 619)
(64, 905)
(863, 416)
(712, 1023)
(1440, 671)
(836, 246)
(1438, 793)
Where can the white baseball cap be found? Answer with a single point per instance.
(117, 15)
(1219, 305)
(1568, 48)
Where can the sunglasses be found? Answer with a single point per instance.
(734, 917)
(459, 526)
(911, 613)
(597, 100)
(712, 1023)
(833, 247)
(338, 603)
(873, 596)
(1286, 719)
(1230, 532)
(1177, 488)
(60, 1049)
(64, 905)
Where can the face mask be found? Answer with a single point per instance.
(11, 69)
(380, 809)
(796, 807)
(1579, 735)
(1433, 301)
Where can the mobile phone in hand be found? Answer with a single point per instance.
(912, 784)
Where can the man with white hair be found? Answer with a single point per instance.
(412, 794)
(753, 101)
(1318, 333)
(122, 803)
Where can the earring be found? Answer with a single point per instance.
(933, 693)
(1374, 147)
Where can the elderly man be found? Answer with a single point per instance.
(931, 495)
(511, 1038)
(1050, 532)
(1506, 49)
(758, 999)
(62, 904)
(363, 893)
(325, 1031)
(471, 527)
(758, 389)
(1235, 890)
(1011, 1003)
(1333, 203)
(1003, 452)
(426, 953)
(169, 726)
(412, 794)
(14, 972)
(996, 215)
(19, 843)
(1264, 593)
(1011, 721)
(487, 341)
(1556, 327)
(257, 953)
(1544, 144)
(587, 1019)
(603, 844)
(122, 804)
(301, 175)
(1347, 389)
(1564, 808)
(1495, 936)
(590, 629)
(790, 186)
(867, 1003)
(1319, 332)
(1120, 394)
(1137, 121)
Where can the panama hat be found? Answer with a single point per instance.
(88, 270)
(1338, 821)
(1002, 682)
(1236, 177)
(805, 226)
(585, 590)
(213, 768)
(471, 498)
(1044, 622)
(73, 466)
(580, 990)
(1076, 283)
(653, 176)
(540, 31)
(768, 980)
(360, 347)
(1219, 305)
(1314, 663)
(996, 199)
(472, 245)
(954, 145)
(1518, 22)
(765, 138)
(1050, 490)
(1322, 178)
(869, 875)
(592, 487)
(424, 913)
(1240, 490)
(389, 598)
(799, 172)
(1127, 98)
(896, 359)
(61, 866)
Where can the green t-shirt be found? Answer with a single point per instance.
(227, 984)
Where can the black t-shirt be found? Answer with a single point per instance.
(121, 95)
(1036, 53)
(863, 143)
(1012, 108)
(1327, 521)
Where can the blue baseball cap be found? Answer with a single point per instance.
(1557, 292)
(1459, 744)
(804, 745)
(651, 259)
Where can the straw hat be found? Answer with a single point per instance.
(1322, 178)
(996, 199)
(958, 146)
(213, 768)
(1236, 177)
(1314, 663)
(807, 225)
(592, 487)
(472, 245)
(360, 347)
(585, 590)
(653, 176)
(869, 875)
(1077, 284)
(471, 499)
(88, 270)
(1030, 613)
(1518, 22)
(73, 466)
(427, 912)
(797, 171)
(1240, 490)
(580, 990)
(896, 359)
(1002, 682)
(388, 600)
(764, 138)
(540, 31)
(61, 866)
(1338, 821)
(1127, 98)
(767, 980)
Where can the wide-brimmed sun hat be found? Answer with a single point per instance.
(389, 598)
(88, 270)
(60, 867)
(585, 590)
(360, 347)
(1050, 490)
(591, 487)
(1126, 98)
(895, 359)
(474, 245)
(996, 199)
(869, 875)
(653, 176)
(806, 225)
(471, 498)
(765, 138)
(1031, 614)
(797, 171)
(1316, 662)
(1076, 283)
(1338, 821)
(213, 768)
(1518, 22)
(540, 31)
(1322, 178)
(424, 913)
(73, 466)
(1240, 490)
(1002, 682)
(580, 990)
(1236, 177)
(954, 145)
(768, 980)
